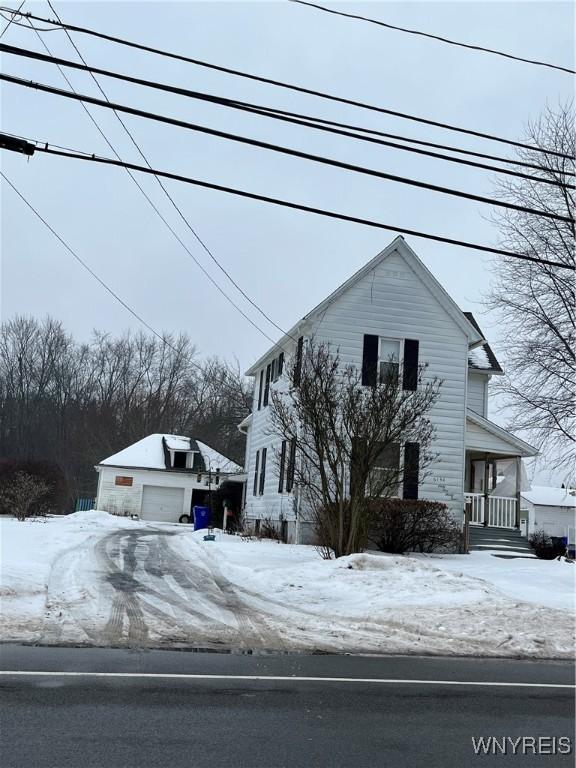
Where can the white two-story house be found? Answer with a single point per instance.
(395, 308)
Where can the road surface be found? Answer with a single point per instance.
(104, 708)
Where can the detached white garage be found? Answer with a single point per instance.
(162, 477)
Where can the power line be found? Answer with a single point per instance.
(283, 150)
(295, 118)
(480, 48)
(167, 193)
(288, 86)
(305, 208)
(85, 265)
(270, 111)
(154, 206)
(12, 18)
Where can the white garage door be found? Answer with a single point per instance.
(162, 504)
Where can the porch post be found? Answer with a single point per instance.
(486, 495)
(518, 488)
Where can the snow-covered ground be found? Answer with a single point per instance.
(91, 578)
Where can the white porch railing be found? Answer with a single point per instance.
(501, 510)
(476, 502)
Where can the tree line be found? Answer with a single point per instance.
(76, 403)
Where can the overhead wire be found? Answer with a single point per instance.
(305, 208)
(295, 118)
(439, 38)
(282, 149)
(157, 210)
(288, 86)
(85, 265)
(11, 20)
(173, 202)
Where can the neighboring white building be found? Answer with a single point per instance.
(552, 510)
(394, 306)
(161, 477)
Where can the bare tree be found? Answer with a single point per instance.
(536, 301)
(77, 403)
(22, 494)
(345, 439)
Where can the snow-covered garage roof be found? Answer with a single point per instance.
(544, 496)
(149, 453)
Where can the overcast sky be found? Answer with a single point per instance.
(286, 261)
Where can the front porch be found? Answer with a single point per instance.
(495, 476)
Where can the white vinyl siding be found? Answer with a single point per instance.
(391, 302)
(128, 500)
(394, 303)
(478, 393)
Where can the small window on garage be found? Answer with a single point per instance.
(179, 460)
(123, 480)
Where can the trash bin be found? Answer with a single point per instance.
(201, 517)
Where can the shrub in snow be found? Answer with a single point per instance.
(545, 547)
(408, 525)
(269, 531)
(56, 500)
(24, 495)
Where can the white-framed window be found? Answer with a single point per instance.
(389, 356)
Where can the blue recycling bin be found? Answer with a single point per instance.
(201, 517)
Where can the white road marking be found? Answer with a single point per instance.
(278, 678)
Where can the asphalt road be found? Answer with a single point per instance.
(99, 708)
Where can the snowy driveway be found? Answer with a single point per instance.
(95, 579)
(133, 588)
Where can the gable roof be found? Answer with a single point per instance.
(398, 244)
(482, 358)
(523, 448)
(150, 453)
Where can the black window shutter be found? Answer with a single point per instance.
(410, 379)
(280, 363)
(291, 467)
(255, 489)
(411, 467)
(261, 389)
(267, 385)
(370, 360)
(262, 471)
(282, 467)
(298, 365)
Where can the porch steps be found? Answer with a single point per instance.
(498, 539)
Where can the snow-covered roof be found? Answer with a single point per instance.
(149, 453)
(482, 358)
(478, 358)
(544, 496)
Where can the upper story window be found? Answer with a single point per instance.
(179, 460)
(383, 357)
(268, 376)
(389, 353)
(261, 389)
(182, 459)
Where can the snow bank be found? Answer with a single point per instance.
(28, 551)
